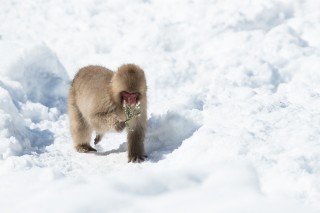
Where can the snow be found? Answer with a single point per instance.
(233, 106)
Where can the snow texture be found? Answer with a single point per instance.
(233, 97)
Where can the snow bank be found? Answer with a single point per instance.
(42, 77)
(33, 87)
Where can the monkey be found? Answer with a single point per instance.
(96, 104)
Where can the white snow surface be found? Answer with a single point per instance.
(233, 96)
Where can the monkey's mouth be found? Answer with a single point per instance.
(130, 98)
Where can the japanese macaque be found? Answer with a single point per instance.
(96, 103)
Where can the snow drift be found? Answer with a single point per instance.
(32, 89)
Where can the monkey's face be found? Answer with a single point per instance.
(129, 85)
(131, 98)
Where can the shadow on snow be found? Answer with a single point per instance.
(165, 133)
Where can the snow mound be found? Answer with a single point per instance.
(42, 77)
(17, 138)
(32, 90)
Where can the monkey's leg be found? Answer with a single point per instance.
(98, 138)
(80, 131)
(136, 145)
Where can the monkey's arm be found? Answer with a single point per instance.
(103, 122)
(135, 143)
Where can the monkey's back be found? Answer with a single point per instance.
(90, 87)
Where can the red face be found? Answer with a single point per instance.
(130, 98)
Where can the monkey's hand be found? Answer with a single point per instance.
(119, 126)
(131, 112)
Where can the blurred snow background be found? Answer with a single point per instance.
(234, 105)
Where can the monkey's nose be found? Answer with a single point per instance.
(130, 98)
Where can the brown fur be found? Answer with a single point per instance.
(94, 104)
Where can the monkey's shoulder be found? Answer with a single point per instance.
(94, 70)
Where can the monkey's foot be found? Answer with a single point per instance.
(137, 159)
(97, 139)
(84, 148)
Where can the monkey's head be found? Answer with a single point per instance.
(129, 85)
